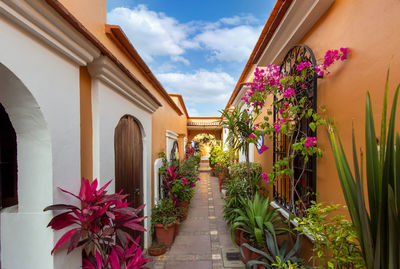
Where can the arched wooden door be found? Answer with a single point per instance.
(128, 147)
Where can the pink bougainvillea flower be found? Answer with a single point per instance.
(263, 148)
(310, 142)
(289, 92)
(303, 65)
(252, 136)
(265, 177)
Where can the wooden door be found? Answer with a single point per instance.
(128, 147)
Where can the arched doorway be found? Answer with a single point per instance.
(128, 147)
(8, 161)
(25, 141)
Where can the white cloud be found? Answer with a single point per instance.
(152, 33)
(193, 112)
(156, 34)
(201, 87)
(177, 58)
(229, 44)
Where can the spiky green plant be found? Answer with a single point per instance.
(275, 254)
(254, 217)
(377, 221)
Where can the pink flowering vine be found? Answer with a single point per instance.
(310, 142)
(265, 177)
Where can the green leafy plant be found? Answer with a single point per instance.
(287, 265)
(255, 217)
(377, 220)
(235, 188)
(240, 169)
(275, 255)
(335, 238)
(164, 212)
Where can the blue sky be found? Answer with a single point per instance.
(195, 48)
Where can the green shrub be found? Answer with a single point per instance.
(239, 170)
(164, 212)
(335, 238)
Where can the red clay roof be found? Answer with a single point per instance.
(278, 12)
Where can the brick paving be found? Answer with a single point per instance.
(203, 234)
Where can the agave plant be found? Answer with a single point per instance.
(377, 221)
(255, 217)
(275, 255)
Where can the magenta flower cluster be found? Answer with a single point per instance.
(263, 148)
(265, 177)
(303, 65)
(332, 56)
(310, 142)
(289, 92)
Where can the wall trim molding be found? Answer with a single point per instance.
(44, 23)
(299, 19)
(106, 71)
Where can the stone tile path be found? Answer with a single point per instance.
(203, 234)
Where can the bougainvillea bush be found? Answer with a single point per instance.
(292, 106)
(100, 226)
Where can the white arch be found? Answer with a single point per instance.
(35, 184)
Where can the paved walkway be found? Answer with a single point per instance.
(203, 234)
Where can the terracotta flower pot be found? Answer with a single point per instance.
(237, 236)
(165, 236)
(157, 250)
(246, 251)
(178, 222)
(185, 206)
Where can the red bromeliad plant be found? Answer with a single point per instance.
(99, 225)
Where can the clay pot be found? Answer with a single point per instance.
(165, 236)
(178, 222)
(247, 252)
(237, 236)
(185, 206)
(157, 251)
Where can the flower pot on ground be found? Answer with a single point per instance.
(178, 222)
(165, 233)
(246, 253)
(163, 220)
(158, 249)
(237, 234)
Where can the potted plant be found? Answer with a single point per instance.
(157, 249)
(163, 221)
(274, 255)
(254, 218)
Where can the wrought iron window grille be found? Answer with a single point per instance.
(296, 200)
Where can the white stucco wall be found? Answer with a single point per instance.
(109, 107)
(53, 81)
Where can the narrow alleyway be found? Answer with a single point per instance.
(203, 236)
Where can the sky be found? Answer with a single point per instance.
(194, 48)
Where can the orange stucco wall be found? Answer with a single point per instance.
(372, 33)
(85, 83)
